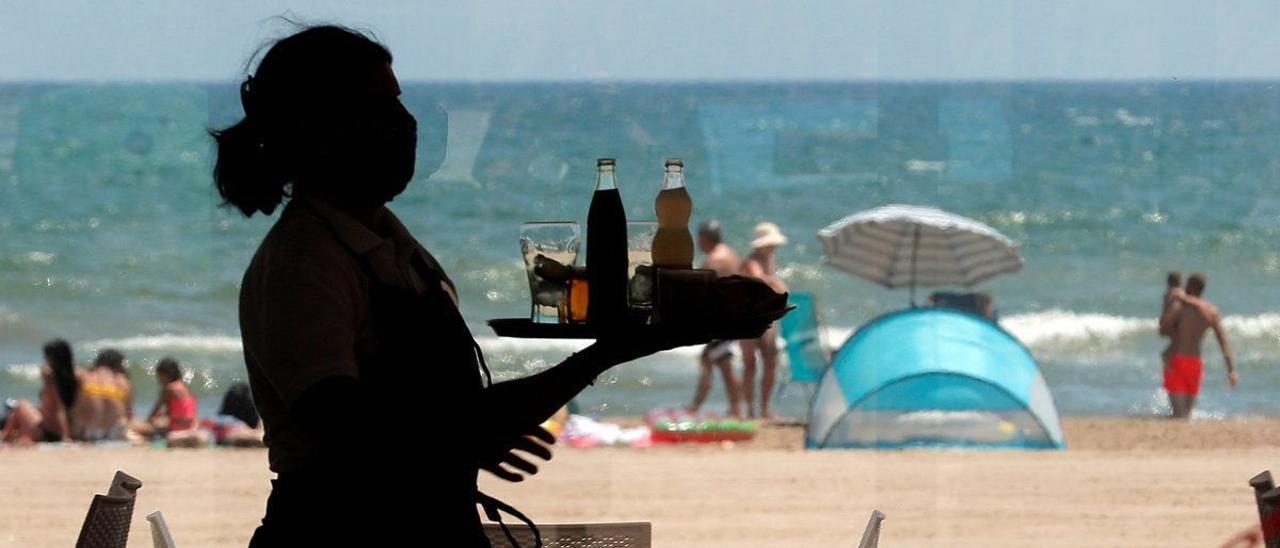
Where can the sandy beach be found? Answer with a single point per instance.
(1123, 482)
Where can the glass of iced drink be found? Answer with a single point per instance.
(640, 263)
(550, 251)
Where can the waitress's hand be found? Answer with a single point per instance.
(501, 449)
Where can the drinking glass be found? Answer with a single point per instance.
(550, 251)
(640, 279)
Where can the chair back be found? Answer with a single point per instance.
(1268, 498)
(871, 535)
(160, 537)
(107, 523)
(585, 535)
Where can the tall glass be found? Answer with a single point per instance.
(640, 278)
(550, 251)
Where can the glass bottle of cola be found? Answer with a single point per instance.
(606, 249)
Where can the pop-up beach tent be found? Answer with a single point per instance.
(933, 377)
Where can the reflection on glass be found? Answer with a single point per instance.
(550, 251)
(640, 263)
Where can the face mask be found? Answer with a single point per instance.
(373, 162)
(390, 156)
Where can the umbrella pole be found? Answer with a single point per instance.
(915, 247)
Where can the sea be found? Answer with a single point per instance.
(111, 234)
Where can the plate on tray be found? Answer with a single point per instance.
(740, 328)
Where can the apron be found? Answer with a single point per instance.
(421, 485)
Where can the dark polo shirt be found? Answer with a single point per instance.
(304, 309)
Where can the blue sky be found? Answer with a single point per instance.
(663, 39)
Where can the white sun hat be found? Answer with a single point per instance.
(767, 234)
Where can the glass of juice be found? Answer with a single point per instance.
(550, 251)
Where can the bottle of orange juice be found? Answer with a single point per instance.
(673, 244)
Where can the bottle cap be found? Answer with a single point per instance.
(601, 162)
(675, 162)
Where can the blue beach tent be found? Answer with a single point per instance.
(933, 377)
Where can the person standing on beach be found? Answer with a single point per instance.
(762, 264)
(1187, 320)
(377, 403)
(718, 353)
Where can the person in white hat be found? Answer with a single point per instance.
(762, 264)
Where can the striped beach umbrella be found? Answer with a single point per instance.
(905, 246)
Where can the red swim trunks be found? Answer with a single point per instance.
(1182, 374)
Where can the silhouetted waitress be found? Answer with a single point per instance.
(377, 411)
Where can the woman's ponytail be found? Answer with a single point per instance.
(244, 173)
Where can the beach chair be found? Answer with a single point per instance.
(807, 352)
(107, 523)
(871, 535)
(160, 537)
(1268, 498)
(584, 535)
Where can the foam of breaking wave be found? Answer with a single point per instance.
(205, 343)
(1263, 325)
(1066, 327)
(224, 343)
(501, 345)
(1051, 326)
(1059, 326)
(25, 371)
(1033, 329)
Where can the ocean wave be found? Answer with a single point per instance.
(1051, 326)
(206, 343)
(34, 258)
(224, 343)
(1131, 120)
(1086, 121)
(1055, 327)
(25, 371)
(925, 166)
(1035, 329)
(505, 345)
(1048, 327)
(1263, 325)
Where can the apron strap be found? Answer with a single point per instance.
(433, 278)
(493, 509)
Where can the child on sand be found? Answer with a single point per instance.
(174, 415)
(1172, 294)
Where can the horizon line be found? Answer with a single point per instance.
(678, 82)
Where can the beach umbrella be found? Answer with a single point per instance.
(905, 246)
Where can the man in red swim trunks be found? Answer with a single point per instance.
(1186, 322)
